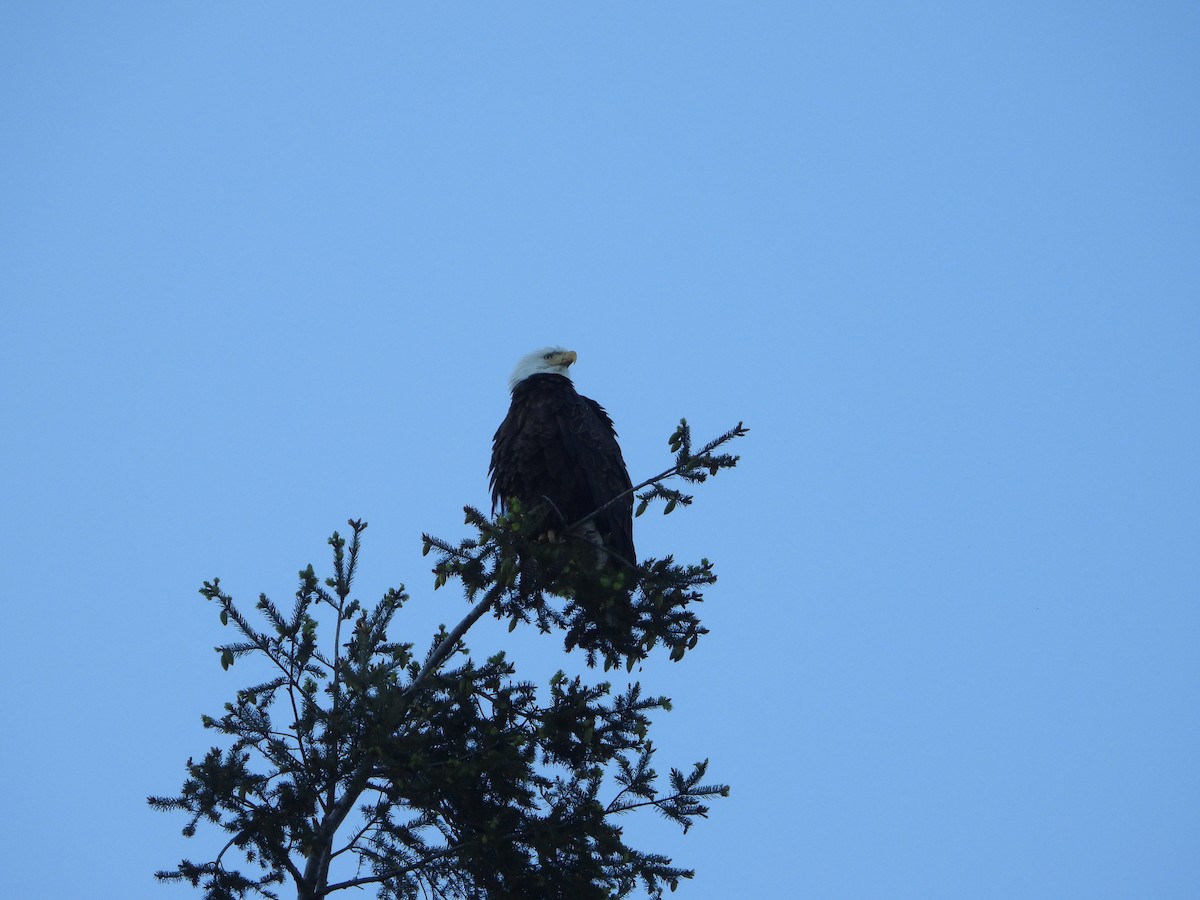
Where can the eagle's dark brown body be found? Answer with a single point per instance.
(557, 446)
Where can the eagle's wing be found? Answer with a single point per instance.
(592, 440)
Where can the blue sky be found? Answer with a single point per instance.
(264, 267)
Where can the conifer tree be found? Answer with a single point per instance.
(361, 762)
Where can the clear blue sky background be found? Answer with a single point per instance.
(267, 266)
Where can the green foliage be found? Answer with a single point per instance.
(441, 776)
(694, 468)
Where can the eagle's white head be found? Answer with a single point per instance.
(547, 361)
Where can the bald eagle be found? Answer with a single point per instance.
(559, 449)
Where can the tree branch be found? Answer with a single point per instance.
(446, 647)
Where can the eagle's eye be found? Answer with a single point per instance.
(548, 356)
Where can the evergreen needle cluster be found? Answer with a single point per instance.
(437, 775)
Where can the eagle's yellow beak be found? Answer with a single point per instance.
(568, 357)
